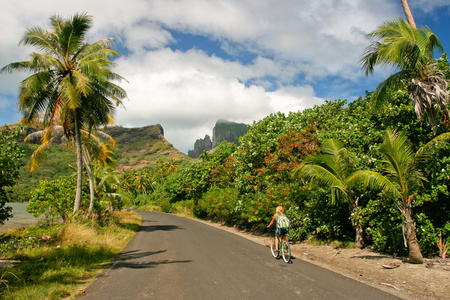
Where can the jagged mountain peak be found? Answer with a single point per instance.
(223, 131)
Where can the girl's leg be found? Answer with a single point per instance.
(277, 237)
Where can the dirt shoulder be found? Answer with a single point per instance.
(430, 280)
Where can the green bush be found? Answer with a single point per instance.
(301, 223)
(383, 223)
(219, 204)
(55, 199)
(427, 235)
(10, 154)
(143, 199)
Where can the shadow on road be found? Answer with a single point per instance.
(143, 265)
(126, 260)
(135, 254)
(159, 227)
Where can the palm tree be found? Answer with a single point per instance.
(402, 171)
(143, 180)
(402, 180)
(71, 81)
(106, 183)
(335, 167)
(410, 50)
(96, 144)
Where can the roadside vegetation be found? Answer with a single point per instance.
(55, 261)
(374, 172)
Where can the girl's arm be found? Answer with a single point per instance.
(273, 220)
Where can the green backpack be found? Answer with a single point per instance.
(283, 222)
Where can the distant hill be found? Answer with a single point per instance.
(223, 131)
(142, 146)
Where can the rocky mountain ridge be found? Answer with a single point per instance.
(223, 131)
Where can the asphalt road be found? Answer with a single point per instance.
(171, 257)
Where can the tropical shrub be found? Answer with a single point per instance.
(54, 199)
(382, 221)
(10, 154)
(219, 204)
(427, 235)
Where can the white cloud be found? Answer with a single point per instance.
(293, 45)
(189, 90)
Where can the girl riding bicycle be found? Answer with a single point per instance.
(279, 232)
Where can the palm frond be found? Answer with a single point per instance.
(321, 174)
(37, 157)
(69, 93)
(393, 83)
(43, 40)
(82, 83)
(429, 96)
(429, 43)
(425, 149)
(374, 180)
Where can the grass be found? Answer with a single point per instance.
(63, 265)
(181, 208)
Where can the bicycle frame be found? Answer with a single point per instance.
(283, 248)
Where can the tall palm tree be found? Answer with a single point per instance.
(409, 50)
(71, 80)
(336, 168)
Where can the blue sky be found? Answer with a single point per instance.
(189, 63)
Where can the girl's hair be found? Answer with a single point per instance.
(279, 209)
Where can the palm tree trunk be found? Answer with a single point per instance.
(91, 182)
(408, 13)
(359, 237)
(76, 205)
(409, 230)
(359, 231)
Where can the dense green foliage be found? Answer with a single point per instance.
(242, 186)
(10, 154)
(54, 199)
(59, 162)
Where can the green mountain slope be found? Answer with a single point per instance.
(142, 147)
(136, 148)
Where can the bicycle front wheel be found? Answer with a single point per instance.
(272, 248)
(285, 250)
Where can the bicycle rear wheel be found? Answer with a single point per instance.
(285, 251)
(273, 250)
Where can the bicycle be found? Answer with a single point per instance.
(283, 247)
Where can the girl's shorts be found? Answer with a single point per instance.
(280, 231)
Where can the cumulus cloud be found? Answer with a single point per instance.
(194, 92)
(277, 55)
